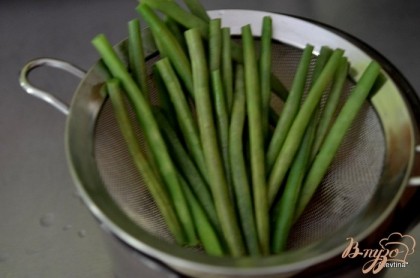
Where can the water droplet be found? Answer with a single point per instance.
(67, 227)
(82, 233)
(47, 219)
(4, 256)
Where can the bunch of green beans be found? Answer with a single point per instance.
(226, 172)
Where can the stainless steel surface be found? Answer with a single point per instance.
(45, 230)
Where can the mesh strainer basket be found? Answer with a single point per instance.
(360, 190)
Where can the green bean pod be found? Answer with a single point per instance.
(297, 129)
(265, 67)
(331, 105)
(187, 167)
(176, 30)
(151, 131)
(197, 9)
(227, 67)
(256, 141)
(183, 114)
(284, 211)
(336, 134)
(215, 44)
(290, 109)
(222, 120)
(168, 44)
(218, 182)
(240, 181)
(137, 62)
(205, 230)
(153, 182)
(183, 17)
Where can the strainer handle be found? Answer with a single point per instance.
(41, 94)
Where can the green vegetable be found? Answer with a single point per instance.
(190, 21)
(218, 182)
(283, 213)
(216, 154)
(197, 9)
(322, 59)
(168, 44)
(163, 98)
(206, 232)
(153, 182)
(183, 17)
(187, 167)
(285, 209)
(183, 114)
(137, 62)
(177, 31)
(240, 181)
(151, 131)
(265, 70)
(290, 109)
(222, 120)
(336, 134)
(227, 71)
(296, 131)
(331, 105)
(256, 141)
(215, 44)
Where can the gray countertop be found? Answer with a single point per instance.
(45, 229)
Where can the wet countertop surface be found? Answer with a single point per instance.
(45, 229)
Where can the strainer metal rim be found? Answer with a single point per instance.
(88, 180)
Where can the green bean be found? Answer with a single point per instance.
(222, 120)
(336, 134)
(290, 108)
(163, 97)
(322, 59)
(189, 21)
(197, 9)
(256, 141)
(227, 71)
(296, 131)
(187, 166)
(136, 55)
(278, 87)
(284, 211)
(265, 70)
(206, 232)
(153, 182)
(169, 45)
(218, 183)
(153, 137)
(183, 114)
(331, 105)
(177, 31)
(237, 164)
(215, 44)
(183, 17)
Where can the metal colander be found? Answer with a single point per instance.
(360, 190)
